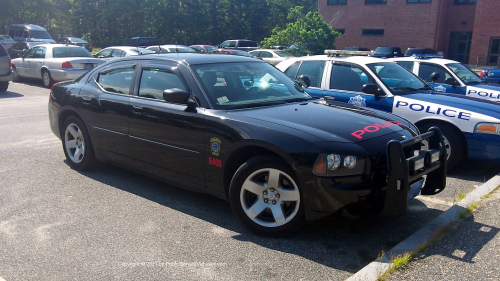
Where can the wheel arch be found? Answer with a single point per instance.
(42, 69)
(242, 154)
(65, 114)
(437, 122)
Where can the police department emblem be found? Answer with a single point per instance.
(440, 89)
(215, 146)
(357, 100)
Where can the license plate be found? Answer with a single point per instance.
(88, 66)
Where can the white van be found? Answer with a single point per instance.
(29, 33)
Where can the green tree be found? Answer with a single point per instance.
(309, 34)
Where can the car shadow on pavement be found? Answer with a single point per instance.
(10, 94)
(474, 170)
(341, 242)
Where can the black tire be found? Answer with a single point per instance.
(47, 79)
(77, 145)
(4, 86)
(268, 202)
(453, 141)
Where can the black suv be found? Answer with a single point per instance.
(421, 51)
(387, 52)
(143, 42)
(5, 69)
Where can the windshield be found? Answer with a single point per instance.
(467, 76)
(247, 84)
(210, 48)
(180, 49)
(383, 50)
(39, 34)
(68, 52)
(397, 78)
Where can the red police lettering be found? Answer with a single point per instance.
(375, 127)
(214, 162)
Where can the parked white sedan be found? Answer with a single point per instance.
(53, 63)
(272, 56)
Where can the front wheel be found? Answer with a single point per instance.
(455, 147)
(265, 198)
(47, 79)
(77, 145)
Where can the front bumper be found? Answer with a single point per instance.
(385, 195)
(483, 147)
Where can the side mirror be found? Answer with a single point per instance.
(179, 96)
(305, 81)
(435, 76)
(451, 81)
(372, 89)
(248, 83)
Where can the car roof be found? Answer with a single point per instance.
(432, 60)
(352, 59)
(192, 58)
(269, 50)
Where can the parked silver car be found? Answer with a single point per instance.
(7, 41)
(114, 52)
(171, 48)
(5, 69)
(271, 56)
(54, 62)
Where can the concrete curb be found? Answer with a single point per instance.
(377, 268)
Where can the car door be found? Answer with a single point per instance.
(165, 137)
(37, 62)
(104, 104)
(425, 70)
(24, 66)
(314, 70)
(345, 83)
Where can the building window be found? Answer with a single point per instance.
(336, 2)
(465, 2)
(375, 32)
(370, 2)
(418, 1)
(341, 31)
(494, 53)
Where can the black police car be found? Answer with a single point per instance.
(239, 129)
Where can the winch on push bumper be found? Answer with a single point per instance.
(402, 171)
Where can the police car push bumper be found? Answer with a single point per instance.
(403, 171)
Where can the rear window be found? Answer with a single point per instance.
(68, 52)
(148, 41)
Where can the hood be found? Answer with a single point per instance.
(482, 106)
(328, 122)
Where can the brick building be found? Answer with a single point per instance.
(464, 30)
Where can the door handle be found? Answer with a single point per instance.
(86, 98)
(137, 107)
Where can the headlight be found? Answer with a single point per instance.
(487, 128)
(334, 165)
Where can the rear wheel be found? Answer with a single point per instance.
(455, 147)
(4, 86)
(47, 79)
(265, 198)
(77, 145)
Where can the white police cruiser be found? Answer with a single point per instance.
(471, 126)
(449, 76)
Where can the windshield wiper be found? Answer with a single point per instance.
(405, 89)
(298, 99)
(474, 82)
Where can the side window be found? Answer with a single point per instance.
(105, 53)
(349, 78)
(116, 80)
(25, 34)
(40, 53)
(232, 44)
(266, 55)
(407, 64)
(256, 54)
(154, 81)
(30, 53)
(118, 53)
(225, 44)
(313, 69)
(425, 71)
(291, 72)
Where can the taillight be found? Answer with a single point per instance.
(10, 64)
(90, 46)
(66, 64)
(482, 73)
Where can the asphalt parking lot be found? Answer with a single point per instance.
(58, 224)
